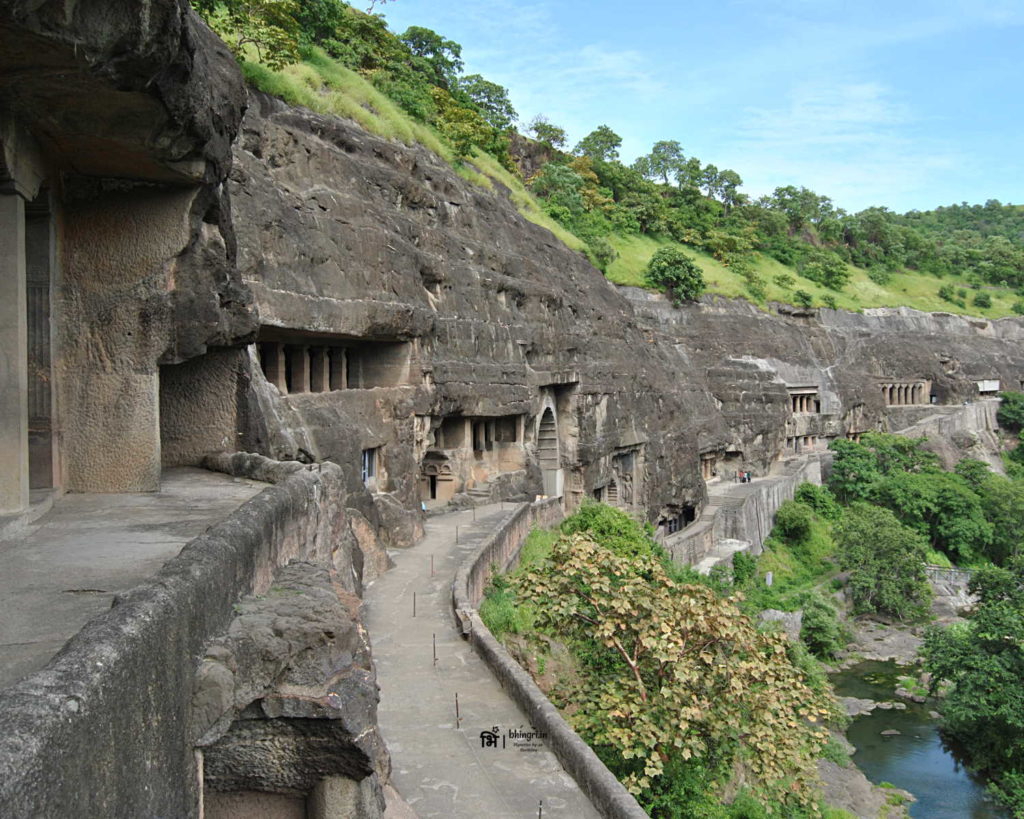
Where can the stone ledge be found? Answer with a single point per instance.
(105, 724)
(606, 793)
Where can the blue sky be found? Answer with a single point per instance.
(902, 103)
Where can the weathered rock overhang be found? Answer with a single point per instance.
(132, 90)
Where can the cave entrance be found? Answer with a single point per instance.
(547, 453)
(38, 275)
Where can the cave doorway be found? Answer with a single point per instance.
(548, 457)
(39, 263)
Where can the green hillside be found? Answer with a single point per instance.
(791, 246)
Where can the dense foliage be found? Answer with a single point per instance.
(1010, 414)
(670, 682)
(677, 274)
(885, 560)
(970, 515)
(674, 673)
(420, 70)
(984, 659)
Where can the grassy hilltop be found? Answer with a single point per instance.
(792, 246)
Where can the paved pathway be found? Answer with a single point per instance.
(439, 767)
(65, 568)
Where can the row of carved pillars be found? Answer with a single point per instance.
(901, 395)
(298, 368)
(807, 402)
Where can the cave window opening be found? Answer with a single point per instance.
(369, 468)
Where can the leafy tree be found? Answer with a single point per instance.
(601, 144)
(820, 628)
(601, 252)
(491, 100)
(1002, 501)
(984, 660)
(941, 506)
(319, 20)
(664, 161)
(547, 132)
(803, 298)
(675, 273)
(613, 529)
(440, 60)
(681, 675)
(973, 471)
(269, 26)
(1010, 414)
(854, 470)
(819, 499)
(897, 453)
(983, 300)
(793, 521)
(465, 128)
(827, 269)
(801, 207)
(885, 560)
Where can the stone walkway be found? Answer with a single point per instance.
(438, 766)
(65, 568)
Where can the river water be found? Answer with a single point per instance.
(915, 760)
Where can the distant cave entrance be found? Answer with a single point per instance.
(547, 441)
(548, 455)
(612, 493)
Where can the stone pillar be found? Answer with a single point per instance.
(339, 368)
(274, 365)
(13, 357)
(298, 360)
(320, 369)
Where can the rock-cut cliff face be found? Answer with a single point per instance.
(191, 269)
(348, 240)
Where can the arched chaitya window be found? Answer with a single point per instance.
(547, 441)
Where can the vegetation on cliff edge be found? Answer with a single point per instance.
(792, 246)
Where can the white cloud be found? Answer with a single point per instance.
(846, 140)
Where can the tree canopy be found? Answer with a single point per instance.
(677, 274)
(984, 660)
(682, 675)
(885, 560)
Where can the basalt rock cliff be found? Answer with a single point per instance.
(192, 268)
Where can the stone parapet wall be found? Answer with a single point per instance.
(501, 551)
(103, 729)
(754, 518)
(748, 517)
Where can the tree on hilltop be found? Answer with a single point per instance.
(601, 144)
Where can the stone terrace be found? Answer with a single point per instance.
(67, 566)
